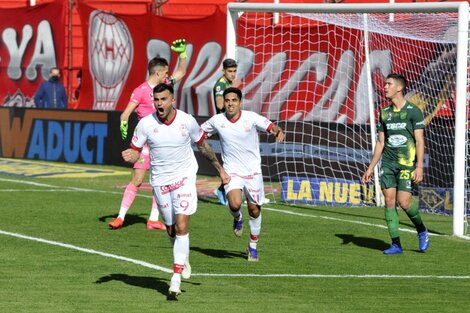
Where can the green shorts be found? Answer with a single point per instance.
(398, 176)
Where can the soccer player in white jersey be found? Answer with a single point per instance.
(239, 138)
(168, 133)
(142, 103)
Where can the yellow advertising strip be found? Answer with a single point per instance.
(29, 168)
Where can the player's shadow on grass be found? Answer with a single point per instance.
(207, 199)
(365, 242)
(154, 283)
(411, 226)
(221, 254)
(131, 219)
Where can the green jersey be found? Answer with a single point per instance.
(219, 88)
(398, 128)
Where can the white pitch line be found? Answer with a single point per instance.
(169, 271)
(59, 188)
(90, 251)
(37, 190)
(376, 276)
(25, 182)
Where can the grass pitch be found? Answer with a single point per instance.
(58, 255)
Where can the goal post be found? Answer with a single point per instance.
(318, 82)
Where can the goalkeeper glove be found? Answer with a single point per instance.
(123, 128)
(179, 46)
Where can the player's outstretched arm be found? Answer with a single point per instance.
(179, 46)
(130, 155)
(209, 154)
(123, 126)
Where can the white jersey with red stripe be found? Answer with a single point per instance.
(239, 140)
(170, 146)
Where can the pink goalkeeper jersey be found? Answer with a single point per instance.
(143, 97)
(171, 155)
(239, 140)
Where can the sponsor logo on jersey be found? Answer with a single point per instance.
(184, 195)
(171, 187)
(396, 140)
(395, 126)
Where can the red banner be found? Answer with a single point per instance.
(32, 43)
(120, 46)
(310, 72)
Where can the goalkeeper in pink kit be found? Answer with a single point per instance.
(142, 102)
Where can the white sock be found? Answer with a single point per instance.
(176, 278)
(255, 230)
(181, 249)
(154, 215)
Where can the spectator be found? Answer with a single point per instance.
(51, 93)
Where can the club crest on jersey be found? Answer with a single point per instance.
(246, 126)
(183, 130)
(403, 115)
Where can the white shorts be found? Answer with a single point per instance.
(251, 185)
(179, 197)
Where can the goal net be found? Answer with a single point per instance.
(319, 71)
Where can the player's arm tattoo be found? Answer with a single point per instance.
(209, 154)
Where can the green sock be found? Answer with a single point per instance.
(391, 217)
(415, 217)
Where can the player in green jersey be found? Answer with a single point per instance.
(400, 145)
(229, 71)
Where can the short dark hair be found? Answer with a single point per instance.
(155, 63)
(229, 63)
(399, 78)
(233, 90)
(54, 68)
(162, 87)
